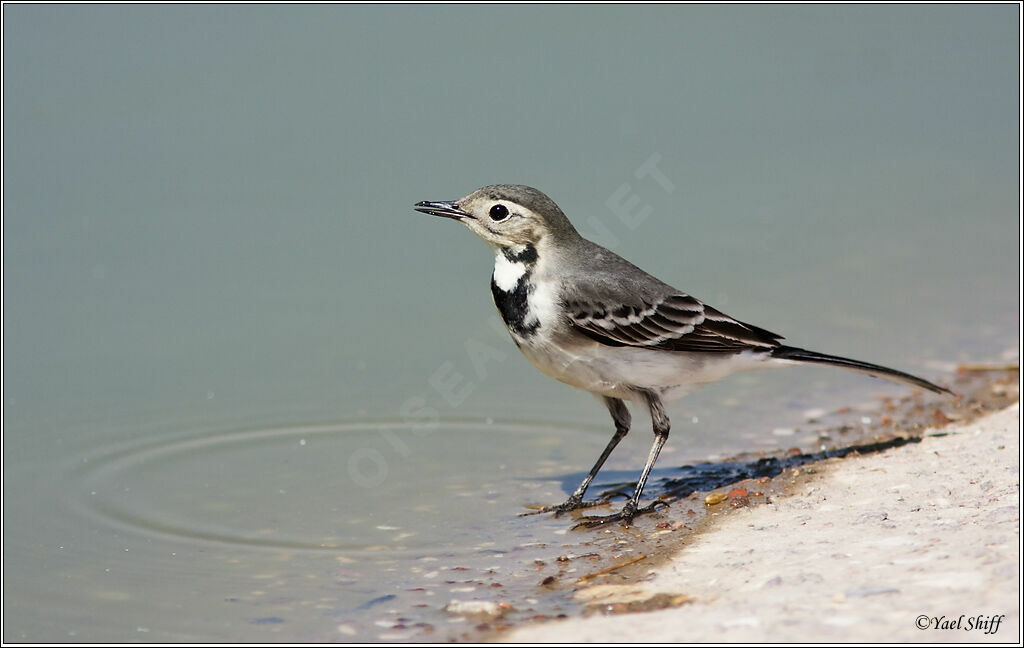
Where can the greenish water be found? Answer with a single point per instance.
(243, 395)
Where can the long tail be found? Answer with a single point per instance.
(803, 355)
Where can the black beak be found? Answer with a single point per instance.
(441, 208)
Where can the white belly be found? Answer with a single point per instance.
(620, 371)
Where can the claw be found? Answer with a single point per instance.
(570, 504)
(625, 516)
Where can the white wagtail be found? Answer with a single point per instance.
(589, 318)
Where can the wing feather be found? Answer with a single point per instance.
(678, 322)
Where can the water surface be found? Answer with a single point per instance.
(250, 395)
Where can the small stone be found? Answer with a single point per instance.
(715, 498)
(488, 609)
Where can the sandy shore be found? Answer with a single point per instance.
(868, 549)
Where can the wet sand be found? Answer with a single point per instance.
(917, 543)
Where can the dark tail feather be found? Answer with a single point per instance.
(803, 355)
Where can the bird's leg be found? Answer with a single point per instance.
(620, 415)
(661, 428)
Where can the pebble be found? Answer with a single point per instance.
(477, 608)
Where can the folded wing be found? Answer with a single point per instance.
(677, 322)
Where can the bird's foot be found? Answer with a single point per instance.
(571, 504)
(624, 517)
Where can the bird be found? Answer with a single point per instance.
(588, 317)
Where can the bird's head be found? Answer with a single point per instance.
(505, 216)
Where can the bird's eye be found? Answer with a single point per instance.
(498, 212)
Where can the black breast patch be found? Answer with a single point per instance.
(513, 304)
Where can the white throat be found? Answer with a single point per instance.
(507, 273)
